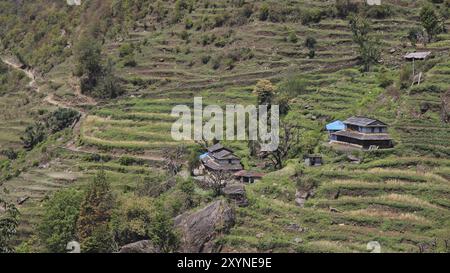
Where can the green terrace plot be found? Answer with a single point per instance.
(19, 105)
(145, 124)
(349, 209)
(177, 58)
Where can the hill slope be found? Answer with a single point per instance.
(167, 52)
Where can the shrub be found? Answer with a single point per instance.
(415, 35)
(311, 16)
(9, 221)
(293, 38)
(126, 50)
(188, 23)
(206, 59)
(246, 10)
(310, 42)
(10, 153)
(61, 119)
(216, 62)
(379, 12)
(132, 221)
(264, 12)
(345, 7)
(34, 134)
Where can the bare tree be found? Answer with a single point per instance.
(173, 160)
(289, 141)
(217, 180)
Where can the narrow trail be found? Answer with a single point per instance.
(28, 72)
(85, 100)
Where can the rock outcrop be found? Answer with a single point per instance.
(199, 229)
(236, 193)
(140, 247)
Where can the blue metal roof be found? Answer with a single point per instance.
(203, 155)
(336, 126)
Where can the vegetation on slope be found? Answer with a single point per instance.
(166, 52)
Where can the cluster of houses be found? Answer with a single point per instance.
(221, 159)
(359, 132)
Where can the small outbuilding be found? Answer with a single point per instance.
(248, 176)
(313, 160)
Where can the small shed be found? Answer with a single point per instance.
(248, 176)
(313, 160)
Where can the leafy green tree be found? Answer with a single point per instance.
(96, 79)
(369, 49)
(431, 21)
(34, 134)
(88, 68)
(58, 226)
(96, 210)
(163, 233)
(9, 221)
(109, 86)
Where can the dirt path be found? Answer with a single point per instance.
(28, 72)
(50, 98)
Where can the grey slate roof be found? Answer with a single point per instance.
(215, 165)
(217, 147)
(364, 122)
(361, 136)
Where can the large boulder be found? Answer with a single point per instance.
(236, 193)
(199, 229)
(140, 247)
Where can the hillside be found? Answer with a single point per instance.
(165, 53)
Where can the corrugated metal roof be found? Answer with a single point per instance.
(335, 126)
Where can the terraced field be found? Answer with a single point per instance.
(398, 197)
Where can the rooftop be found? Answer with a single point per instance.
(335, 126)
(212, 164)
(245, 173)
(418, 55)
(217, 147)
(364, 122)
